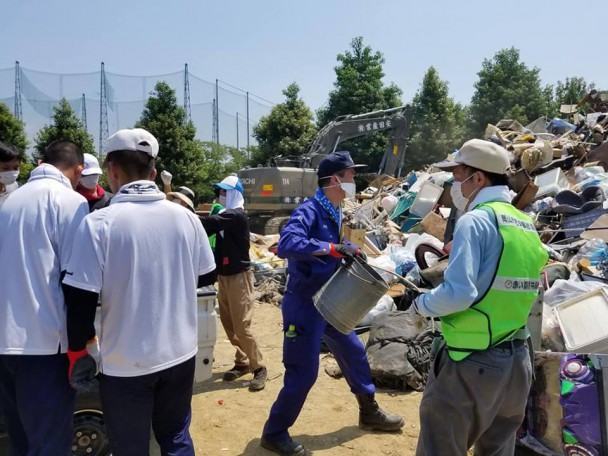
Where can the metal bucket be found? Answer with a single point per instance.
(349, 295)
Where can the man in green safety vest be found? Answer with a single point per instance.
(481, 374)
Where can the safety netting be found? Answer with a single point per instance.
(126, 97)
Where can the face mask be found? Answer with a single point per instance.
(460, 201)
(223, 200)
(8, 177)
(90, 181)
(349, 188)
(176, 201)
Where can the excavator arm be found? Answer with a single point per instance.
(395, 120)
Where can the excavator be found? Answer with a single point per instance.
(272, 192)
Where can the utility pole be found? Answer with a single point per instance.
(103, 113)
(213, 128)
(187, 107)
(83, 112)
(237, 131)
(247, 121)
(217, 112)
(18, 109)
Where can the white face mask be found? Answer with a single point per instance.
(223, 200)
(460, 201)
(89, 181)
(348, 187)
(8, 177)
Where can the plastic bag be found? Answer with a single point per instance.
(384, 262)
(564, 290)
(595, 251)
(385, 304)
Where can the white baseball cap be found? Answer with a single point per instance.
(136, 139)
(480, 154)
(91, 165)
(230, 183)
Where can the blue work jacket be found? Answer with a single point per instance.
(309, 231)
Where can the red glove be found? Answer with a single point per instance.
(82, 371)
(344, 251)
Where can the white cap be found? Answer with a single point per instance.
(230, 183)
(133, 139)
(480, 154)
(91, 165)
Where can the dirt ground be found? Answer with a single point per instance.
(228, 419)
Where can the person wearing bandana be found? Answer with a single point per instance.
(89, 184)
(312, 243)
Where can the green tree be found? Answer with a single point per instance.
(179, 152)
(12, 130)
(359, 88)
(66, 125)
(571, 91)
(437, 123)
(507, 88)
(287, 130)
(219, 162)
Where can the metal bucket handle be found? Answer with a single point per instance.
(402, 279)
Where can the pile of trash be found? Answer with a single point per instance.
(558, 176)
(269, 270)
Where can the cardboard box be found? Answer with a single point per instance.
(357, 237)
(434, 225)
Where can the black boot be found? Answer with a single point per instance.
(285, 448)
(373, 418)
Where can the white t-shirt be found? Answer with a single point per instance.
(37, 226)
(144, 254)
(8, 189)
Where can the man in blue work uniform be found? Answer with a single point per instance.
(312, 242)
(480, 378)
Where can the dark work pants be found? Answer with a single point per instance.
(38, 404)
(162, 399)
(301, 360)
(479, 401)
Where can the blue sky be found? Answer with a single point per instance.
(262, 46)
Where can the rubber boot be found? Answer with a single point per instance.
(373, 418)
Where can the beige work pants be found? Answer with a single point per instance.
(235, 298)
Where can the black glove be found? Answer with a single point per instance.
(346, 251)
(408, 299)
(83, 370)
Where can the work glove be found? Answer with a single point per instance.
(82, 371)
(345, 251)
(408, 299)
(166, 177)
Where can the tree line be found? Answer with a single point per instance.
(506, 88)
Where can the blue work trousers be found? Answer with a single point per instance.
(301, 360)
(38, 404)
(162, 399)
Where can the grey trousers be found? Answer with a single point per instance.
(478, 401)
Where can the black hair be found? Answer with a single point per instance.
(136, 165)
(323, 182)
(494, 178)
(8, 153)
(63, 154)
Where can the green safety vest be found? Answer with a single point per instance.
(496, 316)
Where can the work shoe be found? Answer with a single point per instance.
(259, 379)
(236, 372)
(285, 448)
(373, 418)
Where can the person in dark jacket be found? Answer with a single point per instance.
(235, 281)
(89, 187)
